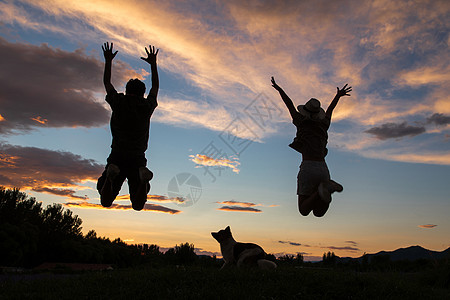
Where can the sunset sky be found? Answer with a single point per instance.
(222, 132)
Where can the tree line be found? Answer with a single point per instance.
(31, 235)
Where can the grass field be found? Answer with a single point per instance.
(195, 282)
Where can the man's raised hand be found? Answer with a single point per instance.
(151, 55)
(107, 51)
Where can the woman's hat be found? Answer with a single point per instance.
(312, 109)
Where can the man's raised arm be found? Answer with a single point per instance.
(109, 56)
(151, 59)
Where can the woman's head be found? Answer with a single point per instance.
(312, 109)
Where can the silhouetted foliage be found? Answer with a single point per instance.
(182, 254)
(271, 257)
(290, 259)
(329, 258)
(31, 235)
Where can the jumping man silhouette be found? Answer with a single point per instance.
(314, 186)
(130, 124)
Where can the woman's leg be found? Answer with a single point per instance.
(306, 203)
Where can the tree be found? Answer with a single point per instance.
(329, 258)
(59, 222)
(182, 254)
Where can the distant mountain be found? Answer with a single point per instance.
(411, 253)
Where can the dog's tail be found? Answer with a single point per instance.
(265, 264)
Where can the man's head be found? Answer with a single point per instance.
(135, 87)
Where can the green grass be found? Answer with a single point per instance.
(194, 282)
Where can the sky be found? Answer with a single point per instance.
(219, 138)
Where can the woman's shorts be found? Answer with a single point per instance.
(311, 174)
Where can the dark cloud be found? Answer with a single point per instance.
(240, 209)
(59, 192)
(45, 86)
(395, 130)
(439, 119)
(347, 248)
(43, 170)
(147, 207)
(352, 243)
(290, 243)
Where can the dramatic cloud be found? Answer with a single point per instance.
(290, 243)
(427, 226)
(393, 53)
(439, 119)
(48, 87)
(240, 209)
(237, 203)
(114, 206)
(59, 192)
(55, 172)
(204, 160)
(395, 130)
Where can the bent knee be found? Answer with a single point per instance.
(138, 204)
(137, 207)
(304, 212)
(319, 213)
(105, 203)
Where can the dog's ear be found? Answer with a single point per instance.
(228, 229)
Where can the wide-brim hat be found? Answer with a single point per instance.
(312, 109)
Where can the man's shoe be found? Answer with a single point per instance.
(145, 175)
(333, 186)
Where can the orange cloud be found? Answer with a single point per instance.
(59, 192)
(237, 203)
(40, 120)
(428, 226)
(240, 209)
(2, 118)
(204, 160)
(147, 207)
